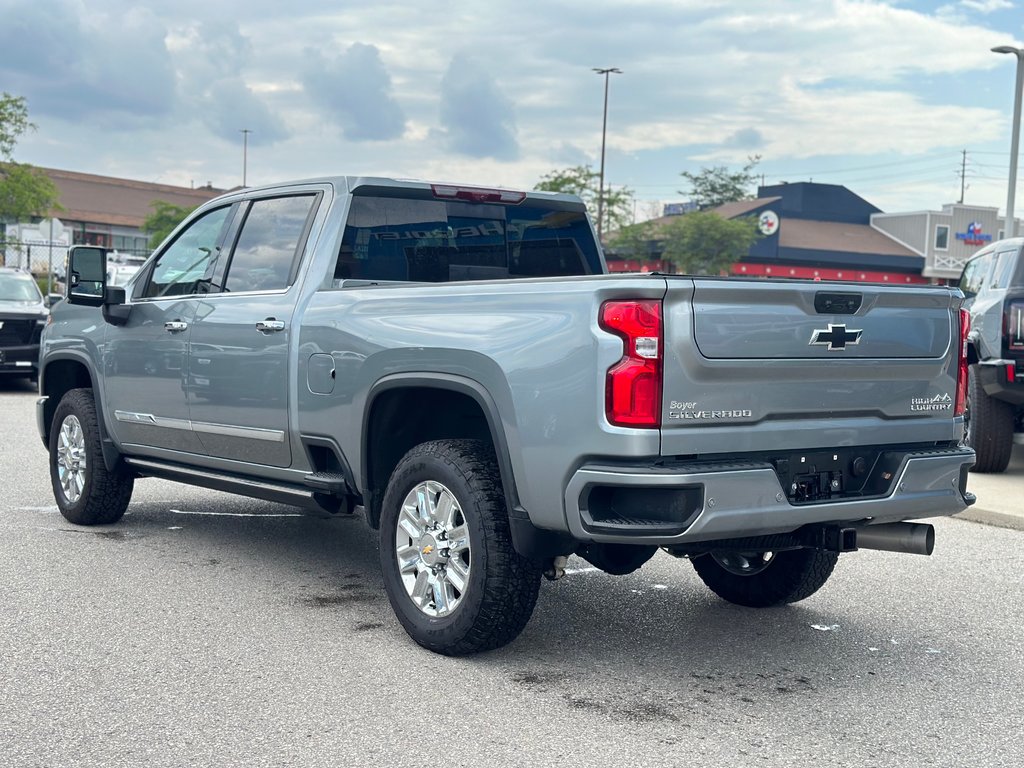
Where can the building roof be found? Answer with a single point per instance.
(726, 210)
(839, 237)
(117, 202)
(742, 207)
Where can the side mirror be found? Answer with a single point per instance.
(53, 298)
(87, 275)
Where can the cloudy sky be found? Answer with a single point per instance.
(879, 96)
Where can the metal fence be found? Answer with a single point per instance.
(37, 256)
(42, 257)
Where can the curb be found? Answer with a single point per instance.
(995, 519)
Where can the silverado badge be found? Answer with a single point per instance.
(836, 337)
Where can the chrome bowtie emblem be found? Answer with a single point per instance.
(835, 337)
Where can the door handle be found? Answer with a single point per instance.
(175, 326)
(270, 325)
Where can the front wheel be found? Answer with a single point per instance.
(763, 579)
(87, 493)
(451, 573)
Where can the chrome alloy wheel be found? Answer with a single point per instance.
(71, 462)
(743, 563)
(432, 547)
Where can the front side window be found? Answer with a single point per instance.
(424, 240)
(180, 269)
(942, 237)
(268, 244)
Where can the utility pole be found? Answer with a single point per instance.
(604, 130)
(245, 154)
(963, 175)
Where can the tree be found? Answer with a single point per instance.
(716, 185)
(164, 218)
(24, 191)
(698, 243)
(582, 180)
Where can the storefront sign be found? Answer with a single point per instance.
(973, 235)
(768, 223)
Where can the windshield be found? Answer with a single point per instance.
(19, 288)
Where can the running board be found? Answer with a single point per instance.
(281, 493)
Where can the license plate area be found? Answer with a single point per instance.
(838, 473)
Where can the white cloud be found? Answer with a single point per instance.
(987, 6)
(703, 80)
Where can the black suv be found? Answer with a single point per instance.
(993, 282)
(23, 314)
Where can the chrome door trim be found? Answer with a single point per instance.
(228, 430)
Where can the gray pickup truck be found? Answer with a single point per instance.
(993, 284)
(456, 363)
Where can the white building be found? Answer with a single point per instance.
(945, 238)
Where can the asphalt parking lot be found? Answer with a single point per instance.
(207, 629)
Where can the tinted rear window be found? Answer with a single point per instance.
(390, 238)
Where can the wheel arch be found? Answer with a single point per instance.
(389, 402)
(63, 372)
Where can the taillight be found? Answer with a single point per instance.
(961, 379)
(1014, 326)
(633, 384)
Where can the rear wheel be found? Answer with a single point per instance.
(451, 573)
(763, 579)
(87, 493)
(989, 427)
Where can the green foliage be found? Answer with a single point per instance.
(717, 185)
(24, 191)
(636, 242)
(164, 218)
(13, 123)
(703, 243)
(698, 243)
(584, 181)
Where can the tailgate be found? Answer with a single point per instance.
(755, 365)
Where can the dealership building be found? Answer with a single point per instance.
(94, 210)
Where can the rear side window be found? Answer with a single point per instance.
(974, 275)
(268, 244)
(1002, 272)
(388, 238)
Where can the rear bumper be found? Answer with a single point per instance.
(744, 499)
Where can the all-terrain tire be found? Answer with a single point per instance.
(989, 427)
(788, 577)
(103, 495)
(501, 589)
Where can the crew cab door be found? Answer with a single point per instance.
(146, 359)
(239, 373)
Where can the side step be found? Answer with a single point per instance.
(282, 493)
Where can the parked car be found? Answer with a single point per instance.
(993, 284)
(23, 313)
(457, 363)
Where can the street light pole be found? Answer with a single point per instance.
(1015, 137)
(604, 131)
(245, 153)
